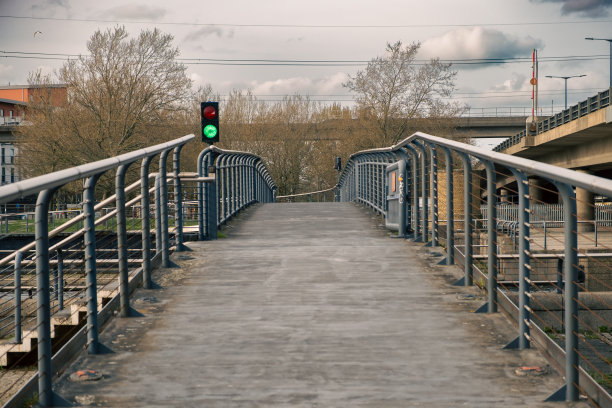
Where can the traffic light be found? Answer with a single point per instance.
(210, 121)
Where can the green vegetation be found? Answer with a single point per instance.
(602, 379)
(552, 333)
(31, 401)
(589, 334)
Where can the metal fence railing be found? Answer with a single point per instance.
(320, 195)
(79, 268)
(497, 112)
(241, 179)
(559, 292)
(64, 272)
(592, 104)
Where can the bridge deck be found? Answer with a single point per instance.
(308, 305)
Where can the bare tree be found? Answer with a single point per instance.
(282, 133)
(126, 94)
(394, 90)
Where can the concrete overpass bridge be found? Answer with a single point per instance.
(580, 137)
(366, 301)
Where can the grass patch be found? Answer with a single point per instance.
(550, 332)
(589, 334)
(602, 379)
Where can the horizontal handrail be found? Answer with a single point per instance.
(306, 194)
(33, 185)
(589, 182)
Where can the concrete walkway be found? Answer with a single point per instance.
(308, 305)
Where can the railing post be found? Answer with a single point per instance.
(491, 236)
(178, 199)
(145, 215)
(163, 195)
(122, 255)
(18, 329)
(570, 391)
(90, 264)
(450, 210)
(60, 279)
(434, 194)
(158, 215)
(43, 301)
(468, 265)
(424, 182)
(212, 203)
(524, 318)
(202, 158)
(233, 188)
(415, 191)
(219, 180)
(491, 305)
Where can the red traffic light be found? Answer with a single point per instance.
(209, 112)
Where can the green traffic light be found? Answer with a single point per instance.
(210, 131)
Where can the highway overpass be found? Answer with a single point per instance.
(578, 138)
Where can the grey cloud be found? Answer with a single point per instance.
(204, 32)
(478, 43)
(50, 5)
(135, 11)
(587, 8)
(516, 83)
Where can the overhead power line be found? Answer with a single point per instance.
(342, 26)
(314, 62)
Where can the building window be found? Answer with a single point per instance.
(12, 157)
(1, 113)
(3, 174)
(11, 113)
(3, 156)
(12, 175)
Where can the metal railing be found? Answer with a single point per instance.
(564, 323)
(241, 179)
(8, 120)
(497, 112)
(309, 196)
(592, 104)
(84, 249)
(56, 291)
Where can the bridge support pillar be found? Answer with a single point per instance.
(585, 206)
(536, 195)
(503, 196)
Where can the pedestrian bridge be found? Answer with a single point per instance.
(309, 304)
(204, 289)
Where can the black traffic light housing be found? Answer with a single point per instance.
(210, 121)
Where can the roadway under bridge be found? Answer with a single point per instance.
(303, 305)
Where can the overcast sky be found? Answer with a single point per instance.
(335, 30)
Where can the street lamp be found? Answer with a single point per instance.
(609, 40)
(566, 78)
